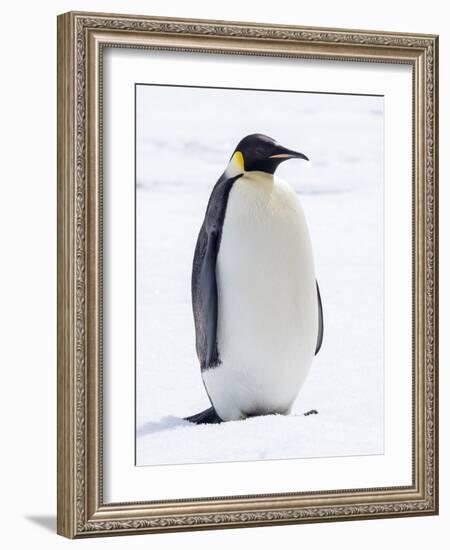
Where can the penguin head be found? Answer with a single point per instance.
(259, 152)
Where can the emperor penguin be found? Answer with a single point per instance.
(256, 302)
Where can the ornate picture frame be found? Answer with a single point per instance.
(82, 39)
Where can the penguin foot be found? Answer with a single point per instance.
(208, 416)
(309, 413)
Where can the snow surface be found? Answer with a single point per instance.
(185, 137)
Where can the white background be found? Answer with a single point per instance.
(340, 188)
(28, 276)
(127, 483)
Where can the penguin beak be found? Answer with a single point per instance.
(285, 154)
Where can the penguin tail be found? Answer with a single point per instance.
(208, 416)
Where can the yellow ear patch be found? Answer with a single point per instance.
(239, 160)
(236, 165)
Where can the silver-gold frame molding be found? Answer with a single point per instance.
(81, 39)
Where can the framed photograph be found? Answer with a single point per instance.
(247, 274)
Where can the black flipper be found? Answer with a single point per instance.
(320, 330)
(208, 286)
(204, 287)
(204, 284)
(208, 416)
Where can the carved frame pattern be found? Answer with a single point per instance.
(81, 37)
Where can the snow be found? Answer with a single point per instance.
(185, 137)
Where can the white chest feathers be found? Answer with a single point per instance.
(268, 312)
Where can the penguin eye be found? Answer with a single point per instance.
(261, 152)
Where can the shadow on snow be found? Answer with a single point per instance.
(172, 422)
